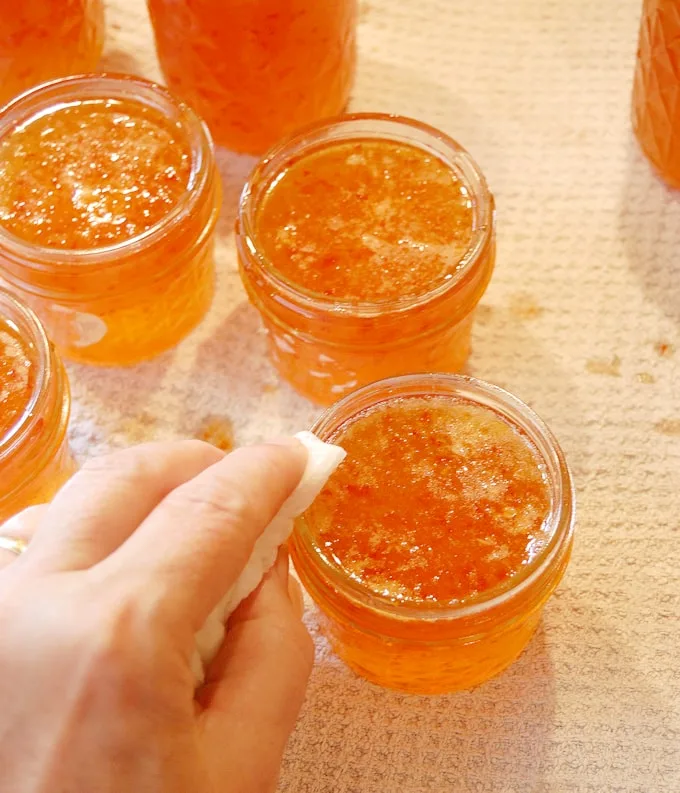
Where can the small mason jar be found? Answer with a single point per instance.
(131, 300)
(325, 347)
(256, 71)
(45, 39)
(35, 460)
(656, 88)
(438, 649)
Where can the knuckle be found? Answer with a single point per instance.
(119, 464)
(213, 504)
(202, 448)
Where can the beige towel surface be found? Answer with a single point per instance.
(581, 320)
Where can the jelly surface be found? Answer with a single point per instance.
(16, 377)
(438, 500)
(91, 174)
(366, 220)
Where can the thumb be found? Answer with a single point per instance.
(256, 685)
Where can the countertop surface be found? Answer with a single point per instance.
(581, 321)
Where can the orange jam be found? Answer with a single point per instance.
(256, 71)
(90, 174)
(108, 202)
(34, 410)
(366, 244)
(439, 500)
(656, 91)
(16, 377)
(433, 547)
(341, 222)
(45, 39)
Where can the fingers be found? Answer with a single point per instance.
(20, 527)
(110, 496)
(256, 687)
(197, 541)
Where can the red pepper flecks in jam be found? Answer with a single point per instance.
(91, 174)
(437, 501)
(109, 197)
(367, 220)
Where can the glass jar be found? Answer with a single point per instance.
(256, 70)
(34, 455)
(656, 88)
(125, 302)
(425, 650)
(44, 39)
(326, 348)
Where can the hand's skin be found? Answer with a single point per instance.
(97, 624)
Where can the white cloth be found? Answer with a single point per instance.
(322, 460)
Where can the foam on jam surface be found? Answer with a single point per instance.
(367, 220)
(16, 377)
(91, 174)
(438, 500)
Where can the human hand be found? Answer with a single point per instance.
(98, 619)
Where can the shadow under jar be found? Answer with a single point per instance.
(109, 196)
(257, 70)
(45, 39)
(366, 243)
(433, 548)
(34, 411)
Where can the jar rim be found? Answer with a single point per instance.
(61, 91)
(559, 523)
(377, 126)
(29, 326)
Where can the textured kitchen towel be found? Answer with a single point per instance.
(582, 320)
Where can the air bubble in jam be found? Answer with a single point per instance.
(366, 220)
(437, 501)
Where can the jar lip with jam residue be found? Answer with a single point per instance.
(26, 324)
(559, 525)
(364, 127)
(49, 388)
(109, 86)
(35, 459)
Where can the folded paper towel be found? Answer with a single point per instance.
(322, 460)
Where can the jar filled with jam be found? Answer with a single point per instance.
(34, 411)
(44, 39)
(256, 70)
(366, 243)
(109, 196)
(656, 90)
(433, 548)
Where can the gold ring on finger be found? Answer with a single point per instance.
(13, 545)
